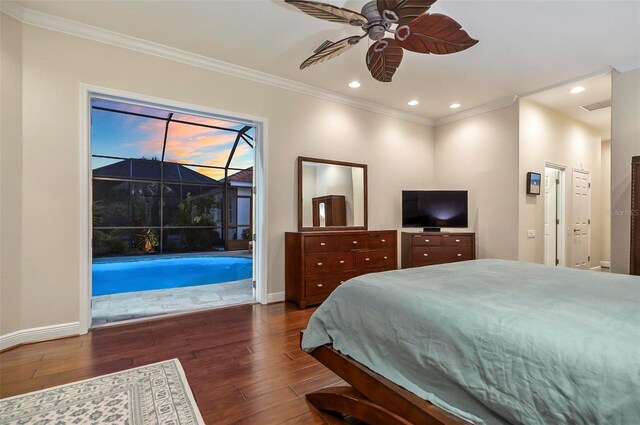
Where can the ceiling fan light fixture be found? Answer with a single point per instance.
(413, 102)
(455, 105)
(410, 26)
(576, 90)
(354, 84)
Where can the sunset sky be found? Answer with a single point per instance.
(129, 136)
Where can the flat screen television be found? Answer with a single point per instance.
(434, 209)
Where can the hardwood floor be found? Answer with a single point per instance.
(243, 363)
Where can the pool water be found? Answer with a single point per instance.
(114, 277)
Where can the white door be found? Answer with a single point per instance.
(551, 181)
(581, 220)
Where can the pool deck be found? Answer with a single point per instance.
(133, 305)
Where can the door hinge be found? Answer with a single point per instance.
(254, 237)
(557, 262)
(589, 258)
(255, 190)
(557, 221)
(253, 284)
(589, 221)
(557, 181)
(589, 185)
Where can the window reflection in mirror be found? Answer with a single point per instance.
(332, 195)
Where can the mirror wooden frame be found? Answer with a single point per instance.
(301, 228)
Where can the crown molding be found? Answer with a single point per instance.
(477, 110)
(589, 76)
(67, 26)
(628, 65)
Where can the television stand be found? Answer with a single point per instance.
(429, 248)
(431, 229)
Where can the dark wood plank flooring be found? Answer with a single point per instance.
(243, 363)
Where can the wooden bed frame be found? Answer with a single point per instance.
(372, 398)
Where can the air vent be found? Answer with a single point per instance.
(323, 45)
(598, 105)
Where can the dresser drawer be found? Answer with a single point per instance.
(381, 240)
(329, 262)
(321, 243)
(366, 260)
(320, 285)
(426, 240)
(453, 240)
(426, 256)
(353, 242)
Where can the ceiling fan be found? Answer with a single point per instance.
(413, 30)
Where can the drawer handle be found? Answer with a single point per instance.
(427, 240)
(355, 242)
(426, 255)
(459, 255)
(382, 240)
(341, 261)
(319, 285)
(319, 264)
(457, 240)
(366, 259)
(322, 244)
(385, 257)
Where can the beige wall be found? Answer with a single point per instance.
(547, 136)
(10, 173)
(399, 153)
(625, 143)
(480, 154)
(605, 253)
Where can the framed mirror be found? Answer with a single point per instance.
(332, 195)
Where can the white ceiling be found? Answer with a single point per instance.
(597, 89)
(524, 45)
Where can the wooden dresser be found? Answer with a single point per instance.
(317, 262)
(635, 216)
(429, 248)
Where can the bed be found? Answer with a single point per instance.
(482, 342)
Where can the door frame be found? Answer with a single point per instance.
(260, 249)
(561, 206)
(590, 222)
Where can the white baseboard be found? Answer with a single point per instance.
(605, 264)
(43, 333)
(275, 297)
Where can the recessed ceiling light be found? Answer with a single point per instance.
(354, 84)
(454, 106)
(576, 90)
(413, 102)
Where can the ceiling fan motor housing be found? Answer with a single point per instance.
(376, 25)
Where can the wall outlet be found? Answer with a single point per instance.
(531, 234)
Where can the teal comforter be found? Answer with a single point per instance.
(495, 341)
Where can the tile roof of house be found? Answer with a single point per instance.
(244, 176)
(146, 169)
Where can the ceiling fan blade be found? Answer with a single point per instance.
(329, 12)
(434, 33)
(383, 59)
(406, 10)
(331, 51)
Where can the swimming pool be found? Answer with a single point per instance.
(131, 275)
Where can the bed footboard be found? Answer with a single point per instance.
(373, 398)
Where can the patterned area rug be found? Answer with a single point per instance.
(152, 394)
